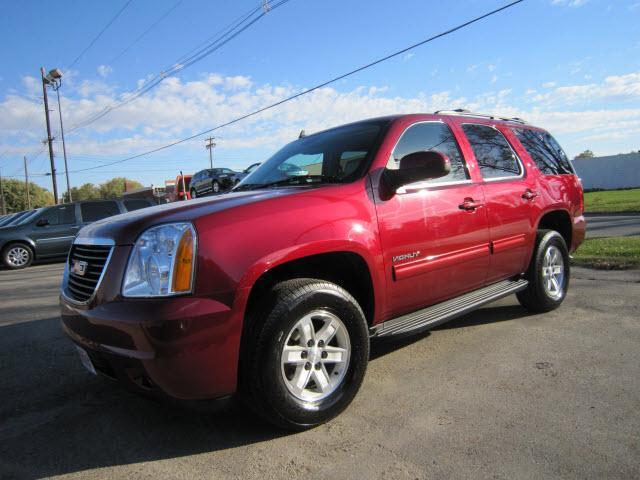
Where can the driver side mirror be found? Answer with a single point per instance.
(43, 222)
(416, 167)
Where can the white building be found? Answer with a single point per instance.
(608, 173)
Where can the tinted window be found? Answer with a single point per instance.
(93, 211)
(435, 137)
(227, 170)
(544, 151)
(493, 153)
(60, 215)
(321, 157)
(135, 204)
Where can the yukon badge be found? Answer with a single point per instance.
(405, 256)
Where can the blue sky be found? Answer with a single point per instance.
(571, 66)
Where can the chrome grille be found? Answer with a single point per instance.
(82, 287)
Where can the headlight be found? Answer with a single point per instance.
(162, 262)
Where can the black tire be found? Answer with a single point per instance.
(215, 187)
(193, 193)
(17, 255)
(537, 296)
(262, 377)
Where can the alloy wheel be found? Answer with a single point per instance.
(18, 256)
(315, 356)
(553, 272)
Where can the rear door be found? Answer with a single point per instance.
(434, 234)
(509, 195)
(53, 232)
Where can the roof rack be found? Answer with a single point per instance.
(467, 113)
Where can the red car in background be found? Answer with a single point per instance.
(181, 189)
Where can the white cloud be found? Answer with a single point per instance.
(549, 84)
(569, 3)
(177, 109)
(104, 70)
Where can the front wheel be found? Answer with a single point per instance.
(305, 362)
(548, 274)
(17, 256)
(215, 186)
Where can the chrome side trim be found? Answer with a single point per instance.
(65, 280)
(107, 242)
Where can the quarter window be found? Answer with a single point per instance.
(492, 151)
(431, 136)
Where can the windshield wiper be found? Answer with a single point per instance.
(293, 180)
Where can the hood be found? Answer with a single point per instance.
(124, 229)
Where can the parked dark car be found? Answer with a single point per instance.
(241, 175)
(212, 181)
(48, 232)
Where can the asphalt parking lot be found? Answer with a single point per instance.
(496, 394)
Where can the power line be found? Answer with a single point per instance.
(185, 61)
(115, 17)
(143, 34)
(316, 87)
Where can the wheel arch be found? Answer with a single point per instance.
(558, 220)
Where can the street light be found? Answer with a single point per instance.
(54, 80)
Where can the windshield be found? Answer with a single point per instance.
(24, 218)
(339, 155)
(6, 219)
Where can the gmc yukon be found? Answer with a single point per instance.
(272, 292)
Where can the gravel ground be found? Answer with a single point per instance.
(498, 393)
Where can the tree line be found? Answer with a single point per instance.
(15, 193)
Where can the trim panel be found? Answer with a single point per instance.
(437, 262)
(509, 242)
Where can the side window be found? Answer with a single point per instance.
(434, 136)
(544, 150)
(493, 153)
(61, 215)
(131, 205)
(93, 211)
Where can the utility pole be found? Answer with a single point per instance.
(4, 206)
(64, 147)
(210, 146)
(26, 183)
(49, 138)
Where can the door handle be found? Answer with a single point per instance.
(529, 194)
(469, 205)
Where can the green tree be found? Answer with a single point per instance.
(15, 195)
(585, 154)
(115, 187)
(88, 191)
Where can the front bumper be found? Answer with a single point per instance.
(183, 347)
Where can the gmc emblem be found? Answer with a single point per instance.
(79, 267)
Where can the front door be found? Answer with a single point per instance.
(434, 234)
(54, 231)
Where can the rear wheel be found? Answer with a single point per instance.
(17, 255)
(548, 273)
(215, 187)
(193, 193)
(305, 363)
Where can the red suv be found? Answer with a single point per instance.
(379, 228)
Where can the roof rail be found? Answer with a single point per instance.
(468, 113)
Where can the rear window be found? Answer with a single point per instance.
(493, 153)
(135, 204)
(545, 151)
(94, 211)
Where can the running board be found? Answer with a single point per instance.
(439, 313)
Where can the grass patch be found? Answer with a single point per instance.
(612, 201)
(615, 253)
